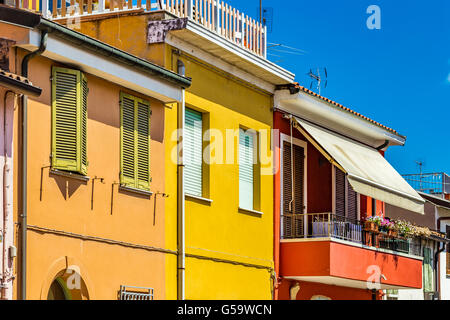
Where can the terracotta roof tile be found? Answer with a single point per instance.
(298, 86)
(18, 83)
(15, 77)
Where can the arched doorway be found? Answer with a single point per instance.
(58, 290)
(68, 285)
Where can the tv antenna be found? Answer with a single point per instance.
(318, 78)
(420, 164)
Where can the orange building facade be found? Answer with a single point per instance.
(76, 218)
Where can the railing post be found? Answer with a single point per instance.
(265, 42)
(161, 4)
(242, 29)
(45, 8)
(217, 14)
(329, 225)
(189, 8)
(101, 5)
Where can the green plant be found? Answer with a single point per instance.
(403, 227)
(375, 219)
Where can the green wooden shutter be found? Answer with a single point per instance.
(69, 120)
(427, 270)
(143, 145)
(246, 155)
(193, 152)
(135, 143)
(83, 123)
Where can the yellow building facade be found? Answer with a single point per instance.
(229, 250)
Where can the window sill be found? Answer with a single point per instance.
(134, 190)
(71, 175)
(190, 196)
(250, 211)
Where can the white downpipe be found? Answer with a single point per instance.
(6, 163)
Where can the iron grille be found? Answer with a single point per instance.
(135, 293)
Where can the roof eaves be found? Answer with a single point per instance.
(336, 104)
(18, 83)
(34, 20)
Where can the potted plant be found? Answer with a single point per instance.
(392, 232)
(387, 226)
(403, 228)
(372, 224)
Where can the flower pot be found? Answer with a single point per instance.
(370, 226)
(392, 233)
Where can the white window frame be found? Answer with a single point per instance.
(202, 173)
(254, 133)
(333, 192)
(304, 145)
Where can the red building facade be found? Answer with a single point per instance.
(321, 248)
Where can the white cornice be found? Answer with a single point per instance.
(334, 118)
(198, 53)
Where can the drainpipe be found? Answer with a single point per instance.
(7, 225)
(436, 267)
(181, 258)
(24, 115)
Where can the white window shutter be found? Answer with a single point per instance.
(246, 155)
(193, 153)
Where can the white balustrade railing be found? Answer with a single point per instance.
(213, 15)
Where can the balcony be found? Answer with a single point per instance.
(330, 249)
(328, 225)
(215, 16)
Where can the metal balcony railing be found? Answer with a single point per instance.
(320, 225)
(213, 15)
(437, 183)
(328, 225)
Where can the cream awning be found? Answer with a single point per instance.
(367, 170)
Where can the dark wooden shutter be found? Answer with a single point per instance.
(352, 203)
(299, 169)
(340, 192)
(292, 222)
(288, 219)
(287, 180)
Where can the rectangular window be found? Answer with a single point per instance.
(135, 142)
(246, 169)
(193, 152)
(69, 120)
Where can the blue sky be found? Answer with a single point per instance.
(398, 75)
